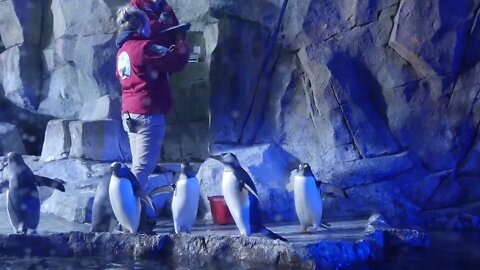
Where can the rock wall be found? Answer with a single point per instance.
(57, 58)
(379, 96)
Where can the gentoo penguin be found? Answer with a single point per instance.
(308, 197)
(186, 194)
(103, 218)
(125, 194)
(241, 197)
(23, 203)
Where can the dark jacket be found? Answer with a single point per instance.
(142, 69)
(159, 21)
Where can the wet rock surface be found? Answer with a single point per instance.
(347, 242)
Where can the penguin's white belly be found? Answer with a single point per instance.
(308, 201)
(126, 206)
(15, 226)
(237, 201)
(185, 204)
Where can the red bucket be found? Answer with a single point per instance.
(220, 213)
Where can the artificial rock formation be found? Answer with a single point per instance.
(380, 97)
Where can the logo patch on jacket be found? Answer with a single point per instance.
(123, 65)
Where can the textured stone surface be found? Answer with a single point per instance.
(57, 141)
(20, 75)
(97, 19)
(105, 107)
(345, 244)
(20, 22)
(380, 97)
(429, 38)
(10, 139)
(30, 124)
(102, 140)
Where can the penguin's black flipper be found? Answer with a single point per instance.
(53, 183)
(250, 190)
(163, 189)
(146, 198)
(3, 186)
(272, 235)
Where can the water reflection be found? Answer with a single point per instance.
(449, 251)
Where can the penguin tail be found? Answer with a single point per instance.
(272, 235)
(163, 189)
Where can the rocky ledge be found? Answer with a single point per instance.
(346, 243)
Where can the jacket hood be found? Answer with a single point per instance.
(146, 6)
(126, 36)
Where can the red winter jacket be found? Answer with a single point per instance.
(156, 24)
(142, 69)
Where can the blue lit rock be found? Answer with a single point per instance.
(101, 140)
(57, 141)
(348, 242)
(105, 107)
(20, 76)
(98, 19)
(20, 22)
(10, 139)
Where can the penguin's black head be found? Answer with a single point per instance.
(186, 169)
(228, 159)
(304, 169)
(14, 158)
(117, 168)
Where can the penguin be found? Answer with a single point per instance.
(308, 197)
(103, 218)
(186, 194)
(23, 202)
(241, 197)
(125, 194)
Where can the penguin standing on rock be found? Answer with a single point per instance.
(308, 197)
(125, 194)
(186, 194)
(23, 202)
(241, 197)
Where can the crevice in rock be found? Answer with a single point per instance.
(464, 53)
(2, 46)
(355, 144)
(270, 47)
(347, 30)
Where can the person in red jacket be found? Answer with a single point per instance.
(161, 17)
(143, 69)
